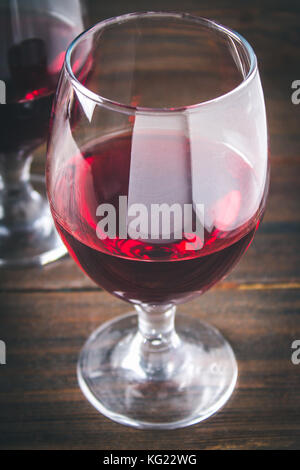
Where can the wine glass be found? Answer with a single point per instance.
(157, 176)
(34, 35)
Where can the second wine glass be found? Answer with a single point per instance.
(34, 35)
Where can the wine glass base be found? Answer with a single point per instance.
(35, 243)
(191, 382)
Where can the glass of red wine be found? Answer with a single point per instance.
(34, 35)
(157, 176)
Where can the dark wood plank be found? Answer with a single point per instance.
(41, 405)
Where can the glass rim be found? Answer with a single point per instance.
(129, 109)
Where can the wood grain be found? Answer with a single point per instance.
(42, 407)
(46, 315)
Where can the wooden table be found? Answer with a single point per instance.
(45, 315)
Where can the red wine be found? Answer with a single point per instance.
(139, 270)
(31, 60)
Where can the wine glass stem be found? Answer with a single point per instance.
(156, 340)
(15, 170)
(156, 324)
(20, 204)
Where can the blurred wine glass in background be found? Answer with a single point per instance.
(34, 35)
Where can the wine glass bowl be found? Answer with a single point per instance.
(157, 177)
